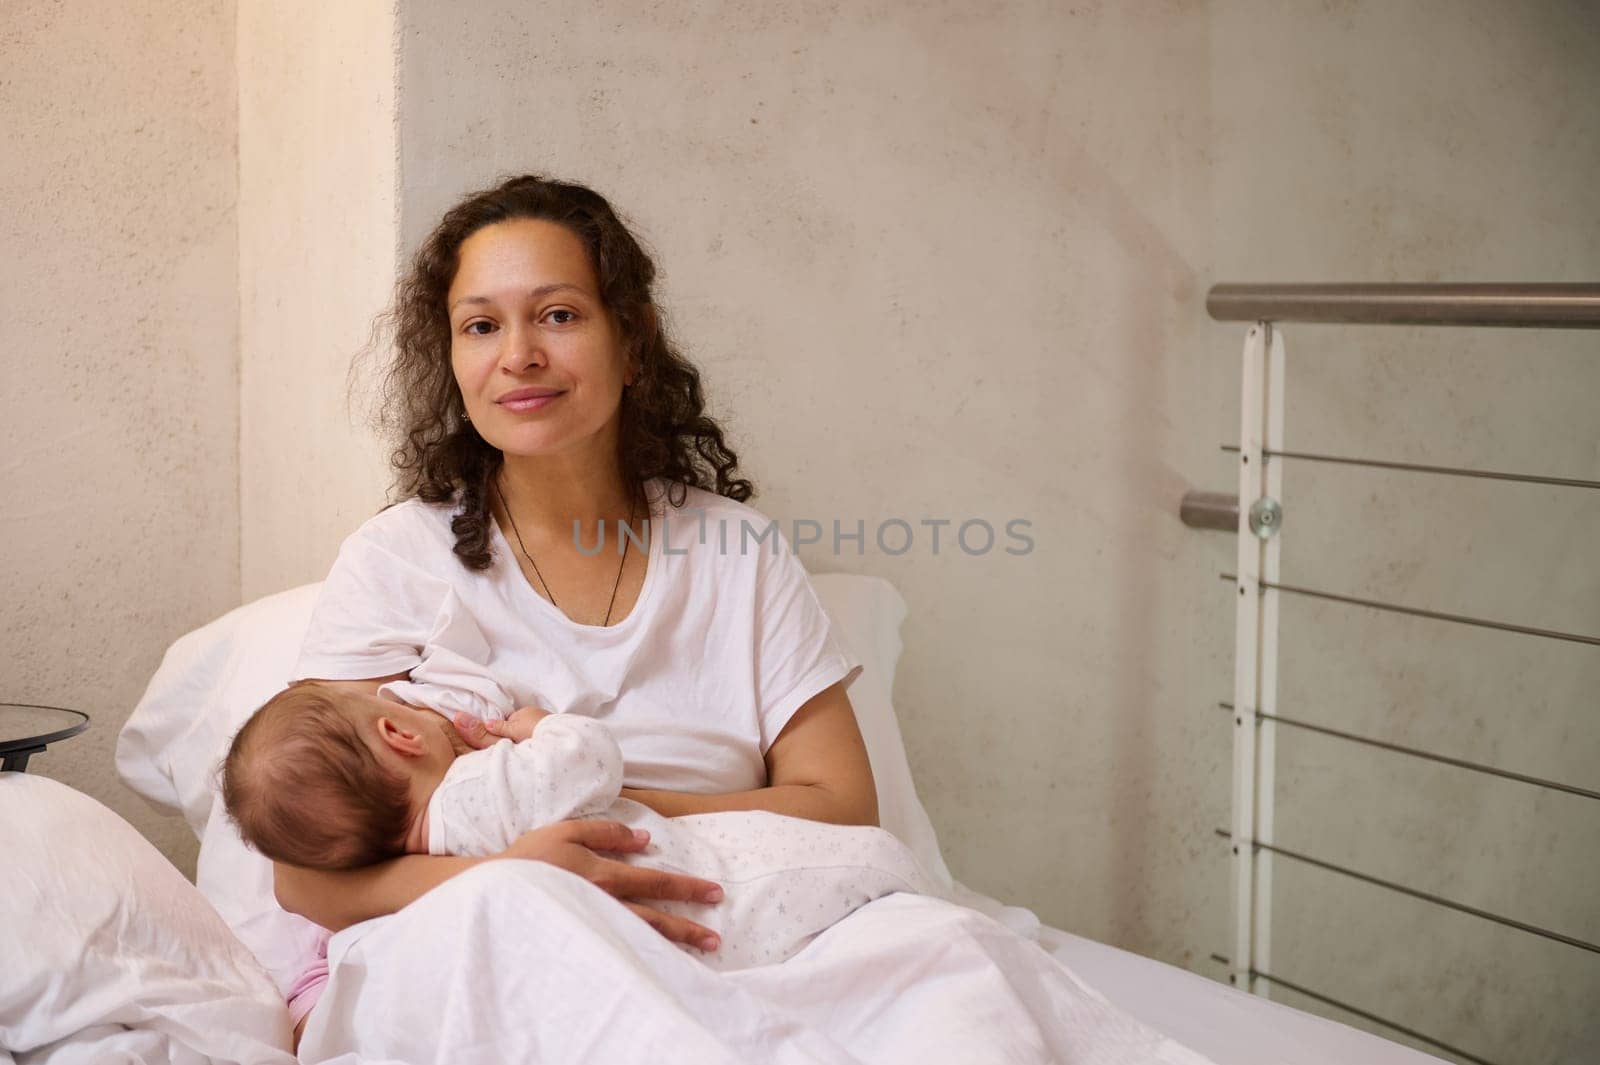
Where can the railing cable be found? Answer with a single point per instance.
(1437, 900)
(1450, 471)
(1415, 752)
(1364, 1014)
(1395, 608)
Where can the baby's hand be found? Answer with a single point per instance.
(478, 733)
(520, 725)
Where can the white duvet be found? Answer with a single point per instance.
(523, 962)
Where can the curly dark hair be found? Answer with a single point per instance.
(439, 457)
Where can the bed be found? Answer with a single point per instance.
(113, 956)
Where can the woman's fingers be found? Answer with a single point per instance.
(633, 882)
(605, 835)
(573, 845)
(678, 929)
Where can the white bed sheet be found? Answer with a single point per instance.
(1208, 1017)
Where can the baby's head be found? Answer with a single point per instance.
(327, 778)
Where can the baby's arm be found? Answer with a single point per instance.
(569, 767)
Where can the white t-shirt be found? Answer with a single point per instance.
(727, 639)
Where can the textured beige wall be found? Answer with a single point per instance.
(945, 262)
(118, 427)
(316, 261)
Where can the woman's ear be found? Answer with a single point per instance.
(400, 740)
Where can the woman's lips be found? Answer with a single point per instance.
(521, 406)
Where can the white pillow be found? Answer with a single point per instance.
(212, 679)
(209, 683)
(867, 613)
(99, 933)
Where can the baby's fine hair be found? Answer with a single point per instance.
(304, 788)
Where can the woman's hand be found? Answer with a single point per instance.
(572, 845)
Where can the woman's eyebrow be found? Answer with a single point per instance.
(541, 291)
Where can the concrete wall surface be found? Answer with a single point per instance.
(119, 459)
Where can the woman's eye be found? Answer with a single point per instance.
(472, 327)
(565, 320)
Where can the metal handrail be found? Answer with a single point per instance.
(1210, 510)
(1533, 306)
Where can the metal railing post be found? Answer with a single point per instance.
(1256, 650)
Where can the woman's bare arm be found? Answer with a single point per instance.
(817, 768)
(340, 899)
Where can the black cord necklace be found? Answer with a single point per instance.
(633, 508)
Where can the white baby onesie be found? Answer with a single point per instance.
(784, 879)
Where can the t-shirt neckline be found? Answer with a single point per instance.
(525, 590)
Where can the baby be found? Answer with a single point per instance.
(327, 778)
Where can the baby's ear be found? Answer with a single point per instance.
(400, 740)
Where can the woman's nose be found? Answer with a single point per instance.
(524, 348)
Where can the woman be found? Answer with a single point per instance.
(533, 387)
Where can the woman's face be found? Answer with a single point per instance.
(538, 359)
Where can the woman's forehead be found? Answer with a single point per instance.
(521, 258)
